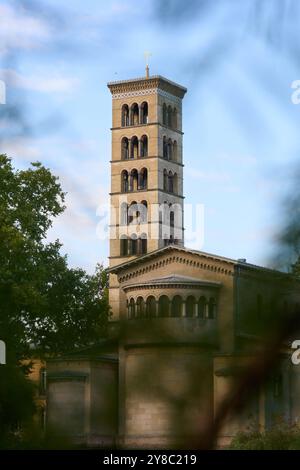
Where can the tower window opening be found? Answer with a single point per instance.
(124, 149)
(175, 156)
(175, 183)
(170, 150)
(123, 245)
(134, 115)
(133, 213)
(175, 123)
(165, 148)
(124, 213)
(134, 150)
(144, 146)
(170, 182)
(125, 115)
(143, 244)
(133, 245)
(170, 116)
(165, 121)
(143, 212)
(133, 180)
(165, 180)
(143, 183)
(124, 181)
(144, 113)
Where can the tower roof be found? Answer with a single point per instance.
(144, 83)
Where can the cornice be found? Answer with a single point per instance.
(144, 86)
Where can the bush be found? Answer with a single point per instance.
(279, 437)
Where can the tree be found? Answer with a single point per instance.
(296, 268)
(45, 306)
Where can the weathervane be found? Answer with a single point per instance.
(147, 54)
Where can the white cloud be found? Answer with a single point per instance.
(21, 149)
(55, 84)
(18, 29)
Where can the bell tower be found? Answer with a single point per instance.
(146, 170)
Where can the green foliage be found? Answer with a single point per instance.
(280, 437)
(44, 305)
(16, 404)
(296, 268)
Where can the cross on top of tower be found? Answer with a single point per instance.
(147, 54)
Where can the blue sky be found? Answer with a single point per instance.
(241, 128)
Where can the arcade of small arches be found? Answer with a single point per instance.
(170, 149)
(133, 245)
(170, 184)
(133, 213)
(170, 116)
(177, 306)
(134, 180)
(135, 114)
(134, 147)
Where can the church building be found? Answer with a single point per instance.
(183, 321)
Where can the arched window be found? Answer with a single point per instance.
(170, 116)
(151, 306)
(172, 223)
(143, 244)
(176, 307)
(144, 113)
(125, 115)
(175, 183)
(143, 178)
(143, 212)
(190, 306)
(170, 182)
(201, 307)
(170, 148)
(123, 213)
(175, 124)
(166, 180)
(133, 180)
(133, 213)
(124, 149)
(124, 181)
(133, 245)
(165, 119)
(134, 115)
(212, 308)
(123, 245)
(140, 307)
(175, 156)
(134, 147)
(165, 148)
(131, 308)
(163, 306)
(144, 146)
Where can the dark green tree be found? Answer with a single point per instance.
(296, 268)
(44, 305)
